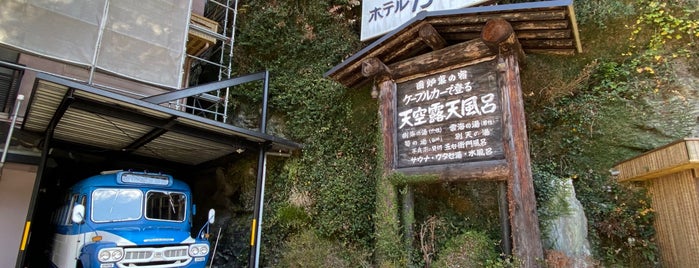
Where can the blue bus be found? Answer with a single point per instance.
(129, 219)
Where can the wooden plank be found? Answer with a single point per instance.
(518, 26)
(676, 204)
(450, 56)
(462, 36)
(351, 71)
(553, 14)
(576, 32)
(540, 25)
(494, 170)
(387, 112)
(547, 43)
(461, 28)
(667, 159)
(544, 34)
(410, 45)
(563, 52)
(692, 149)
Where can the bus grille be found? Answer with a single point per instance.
(138, 254)
(174, 256)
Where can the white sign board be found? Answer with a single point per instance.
(382, 16)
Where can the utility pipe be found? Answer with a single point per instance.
(18, 103)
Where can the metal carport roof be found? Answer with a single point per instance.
(80, 114)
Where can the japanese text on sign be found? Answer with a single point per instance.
(382, 16)
(450, 117)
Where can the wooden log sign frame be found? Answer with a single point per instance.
(457, 113)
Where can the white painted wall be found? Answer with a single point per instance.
(16, 185)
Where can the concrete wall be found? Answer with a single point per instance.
(16, 185)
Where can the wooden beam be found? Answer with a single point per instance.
(387, 210)
(524, 222)
(544, 34)
(562, 52)
(475, 28)
(540, 25)
(499, 36)
(350, 75)
(464, 36)
(372, 67)
(576, 33)
(410, 45)
(554, 14)
(548, 43)
(431, 37)
(455, 55)
(492, 170)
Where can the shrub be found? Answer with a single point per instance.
(470, 249)
(307, 249)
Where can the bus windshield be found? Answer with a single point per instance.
(110, 205)
(166, 206)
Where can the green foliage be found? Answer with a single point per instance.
(402, 179)
(598, 12)
(602, 12)
(621, 220)
(469, 249)
(291, 216)
(620, 105)
(446, 210)
(389, 246)
(307, 249)
(298, 41)
(593, 110)
(672, 23)
(550, 194)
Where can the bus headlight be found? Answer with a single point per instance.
(110, 254)
(198, 250)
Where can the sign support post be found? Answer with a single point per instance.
(457, 113)
(526, 239)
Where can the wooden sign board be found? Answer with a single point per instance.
(449, 118)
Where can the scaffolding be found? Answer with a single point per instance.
(207, 45)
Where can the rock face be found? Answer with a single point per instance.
(230, 189)
(568, 233)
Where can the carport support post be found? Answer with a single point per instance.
(68, 99)
(256, 228)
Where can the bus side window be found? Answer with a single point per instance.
(62, 210)
(66, 220)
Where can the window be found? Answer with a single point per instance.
(67, 217)
(166, 206)
(109, 205)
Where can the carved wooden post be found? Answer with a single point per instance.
(526, 239)
(387, 220)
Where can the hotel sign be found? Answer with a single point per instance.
(382, 16)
